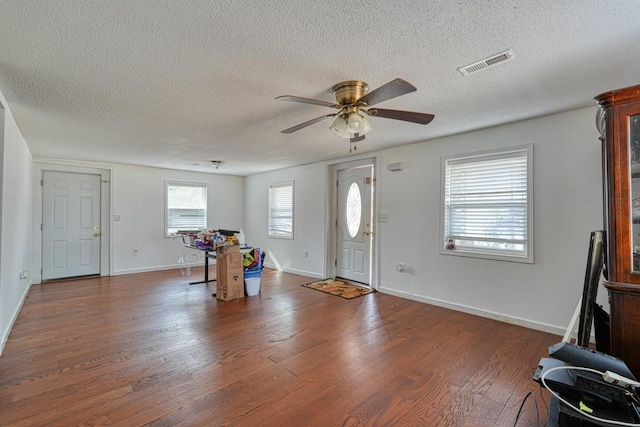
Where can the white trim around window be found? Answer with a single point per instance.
(487, 204)
(281, 201)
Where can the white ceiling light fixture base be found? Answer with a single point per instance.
(489, 62)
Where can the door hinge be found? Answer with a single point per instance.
(42, 183)
(41, 227)
(335, 262)
(337, 182)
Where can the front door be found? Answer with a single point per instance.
(70, 225)
(354, 237)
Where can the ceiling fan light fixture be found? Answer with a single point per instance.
(340, 127)
(358, 124)
(355, 123)
(366, 126)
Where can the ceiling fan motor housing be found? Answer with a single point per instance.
(349, 92)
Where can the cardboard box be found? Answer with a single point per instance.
(229, 276)
(232, 287)
(225, 248)
(230, 261)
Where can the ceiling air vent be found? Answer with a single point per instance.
(487, 62)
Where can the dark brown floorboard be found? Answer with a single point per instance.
(149, 349)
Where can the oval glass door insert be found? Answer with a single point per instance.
(354, 210)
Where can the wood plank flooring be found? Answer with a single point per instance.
(149, 349)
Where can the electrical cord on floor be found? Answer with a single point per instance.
(546, 423)
(535, 402)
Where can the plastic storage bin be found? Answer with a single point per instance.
(252, 285)
(253, 277)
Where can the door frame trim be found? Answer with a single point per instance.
(106, 265)
(332, 213)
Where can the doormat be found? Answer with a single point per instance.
(339, 288)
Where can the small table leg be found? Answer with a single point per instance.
(206, 271)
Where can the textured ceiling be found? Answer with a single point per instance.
(176, 83)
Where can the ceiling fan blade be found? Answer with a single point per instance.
(308, 123)
(308, 101)
(407, 116)
(390, 90)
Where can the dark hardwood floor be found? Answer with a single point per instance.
(149, 349)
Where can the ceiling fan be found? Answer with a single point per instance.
(353, 99)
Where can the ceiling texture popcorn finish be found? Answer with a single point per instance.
(177, 82)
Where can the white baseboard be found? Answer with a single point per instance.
(158, 268)
(538, 326)
(296, 271)
(14, 317)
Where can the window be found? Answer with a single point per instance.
(487, 201)
(354, 210)
(186, 204)
(281, 210)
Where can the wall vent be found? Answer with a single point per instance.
(487, 62)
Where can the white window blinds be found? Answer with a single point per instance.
(186, 206)
(487, 201)
(281, 210)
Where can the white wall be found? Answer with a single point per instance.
(309, 219)
(567, 207)
(137, 195)
(139, 199)
(17, 208)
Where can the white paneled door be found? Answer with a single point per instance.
(70, 225)
(354, 224)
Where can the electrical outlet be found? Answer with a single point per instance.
(24, 275)
(383, 217)
(401, 267)
(116, 217)
(136, 252)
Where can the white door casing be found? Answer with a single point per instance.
(70, 225)
(354, 224)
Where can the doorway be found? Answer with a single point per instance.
(77, 199)
(353, 219)
(70, 225)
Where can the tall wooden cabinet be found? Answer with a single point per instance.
(618, 121)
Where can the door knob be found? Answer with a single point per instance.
(96, 234)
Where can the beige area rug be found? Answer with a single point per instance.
(339, 288)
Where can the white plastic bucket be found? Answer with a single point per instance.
(253, 285)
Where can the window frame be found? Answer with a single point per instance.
(527, 256)
(177, 183)
(271, 232)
